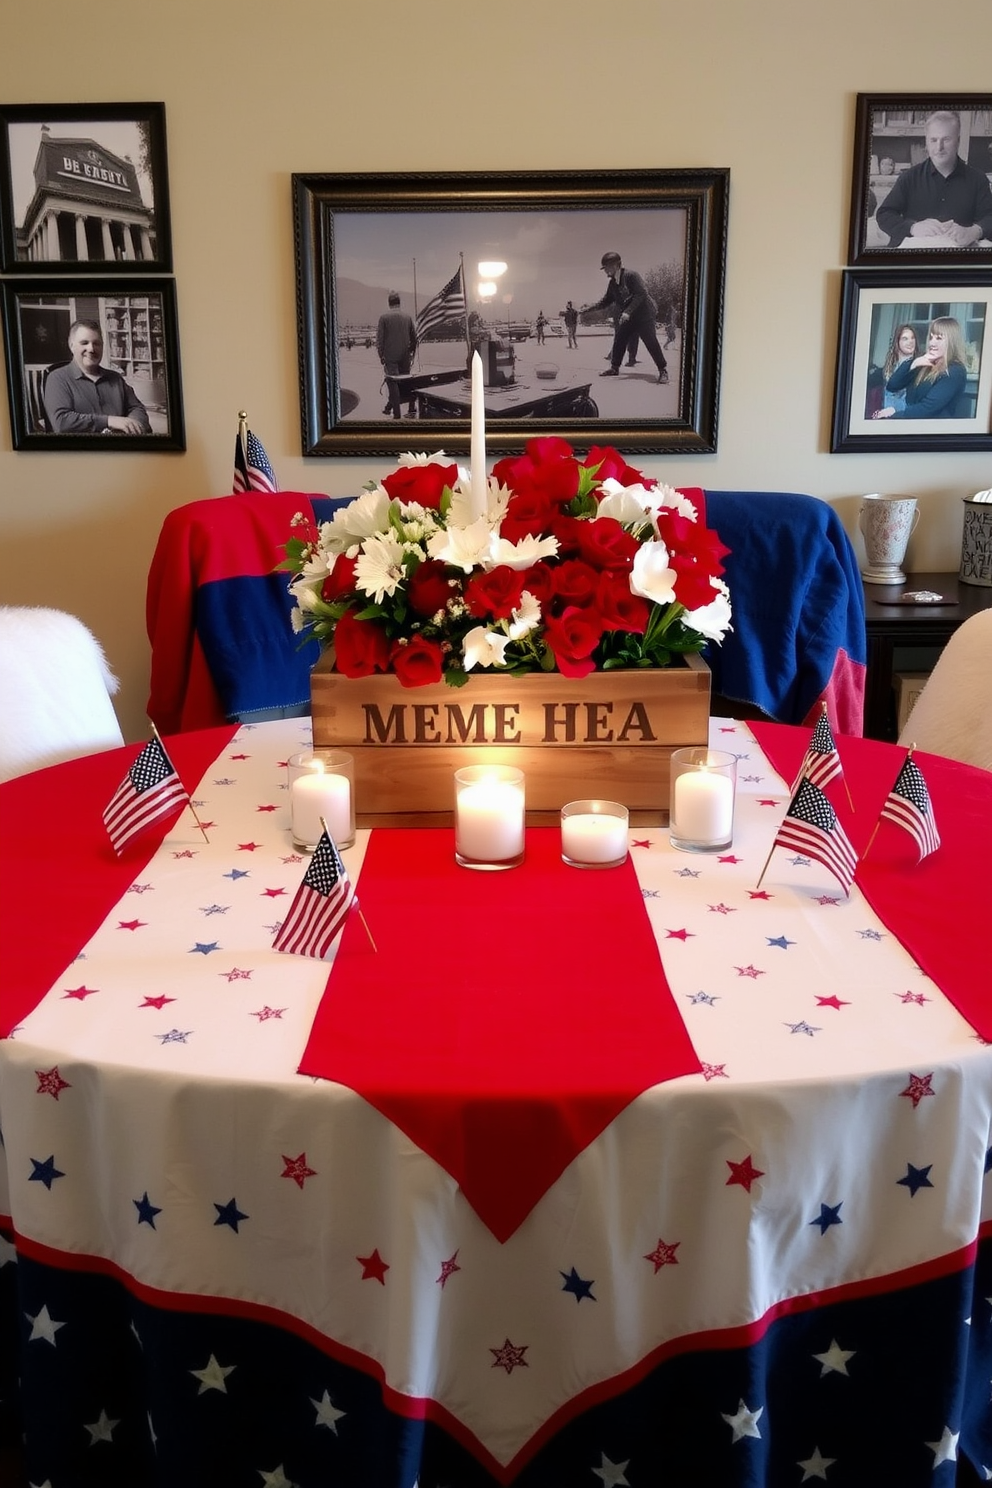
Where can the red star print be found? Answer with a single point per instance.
(264, 1014)
(80, 992)
(680, 934)
(131, 924)
(663, 1255)
(759, 894)
(374, 1268)
(729, 859)
(711, 1071)
(825, 899)
(767, 801)
(248, 846)
(834, 1002)
(728, 728)
(236, 975)
(448, 1268)
(266, 808)
(721, 909)
(293, 858)
(272, 893)
(156, 1002)
(50, 1082)
(240, 756)
(916, 997)
(510, 1357)
(749, 971)
(187, 852)
(744, 1173)
(918, 1087)
(641, 842)
(296, 1168)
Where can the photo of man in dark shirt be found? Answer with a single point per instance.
(84, 397)
(942, 199)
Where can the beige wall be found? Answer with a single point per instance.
(255, 92)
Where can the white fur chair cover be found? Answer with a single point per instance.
(55, 688)
(953, 714)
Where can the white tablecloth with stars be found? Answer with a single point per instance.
(155, 1128)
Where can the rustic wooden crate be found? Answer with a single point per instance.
(610, 735)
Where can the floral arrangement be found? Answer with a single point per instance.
(572, 566)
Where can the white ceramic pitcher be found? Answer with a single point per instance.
(887, 523)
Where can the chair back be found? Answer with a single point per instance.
(55, 690)
(953, 714)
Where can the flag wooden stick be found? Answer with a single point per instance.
(365, 923)
(765, 869)
(189, 803)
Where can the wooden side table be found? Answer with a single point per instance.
(893, 629)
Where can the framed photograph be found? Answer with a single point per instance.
(595, 302)
(93, 364)
(84, 188)
(922, 180)
(914, 360)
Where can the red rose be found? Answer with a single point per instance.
(340, 581)
(618, 608)
(573, 637)
(605, 543)
(528, 515)
(692, 539)
(495, 594)
(539, 581)
(613, 466)
(421, 483)
(575, 583)
(360, 646)
(548, 468)
(416, 662)
(693, 586)
(429, 590)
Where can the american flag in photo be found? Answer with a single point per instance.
(320, 907)
(446, 305)
(810, 826)
(252, 470)
(822, 763)
(908, 806)
(150, 791)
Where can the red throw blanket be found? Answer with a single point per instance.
(505, 1018)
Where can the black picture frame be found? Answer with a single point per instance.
(889, 139)
(84, 188)
(139, 323)
(875, 305)
(359, 236)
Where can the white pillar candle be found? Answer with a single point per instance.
(593, 837)
(489, 821)
(479, 476)
(317, 795)
(703, 807)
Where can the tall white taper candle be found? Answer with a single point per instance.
(480, 478)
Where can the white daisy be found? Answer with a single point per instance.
(379, 568)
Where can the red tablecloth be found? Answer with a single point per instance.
(938, 909)
(505, 1019)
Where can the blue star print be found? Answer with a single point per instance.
(146, 1210)
(229, 1214)
(829, 1215)
(205, 947)
(575, 1285)
(174, 1036)
(779, 940)
(806, 1028)
(707, 997)
(45, 1172)
(916, 1178)
(237, 873)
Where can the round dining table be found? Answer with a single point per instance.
(677, 1172)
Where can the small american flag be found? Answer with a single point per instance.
(320, 907)
(810, 826)
(446, 305)
(822, 763)
(908, 805)
(149, 792)
(252, 471)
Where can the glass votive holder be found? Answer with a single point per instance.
(594, 834)
(703, 787)
(489, 816)
(321, 784)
